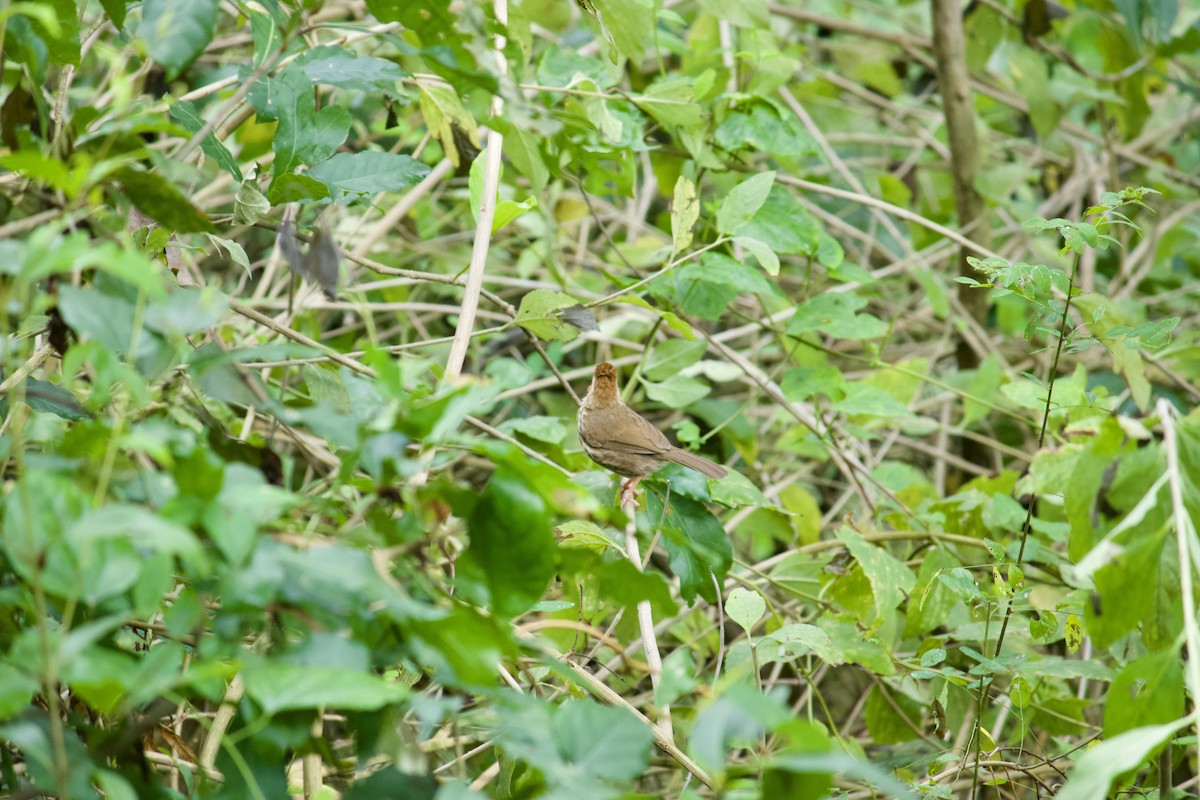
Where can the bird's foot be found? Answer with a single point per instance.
(629, 493)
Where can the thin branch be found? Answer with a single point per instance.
(487, 213)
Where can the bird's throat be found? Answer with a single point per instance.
(604, 392)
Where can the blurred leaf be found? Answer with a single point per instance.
(1100, 765)
(798, 639)
(176, 33)
(158, 198)
(61, 39)
(186, 114)
(678, 391)
(743, 202)
(16, 690)
(284, 687)
(685, 210)
(836, 314)
(338, 66)
(783, 225)
(762, 128)
(46, 397)
(670, 357)
(578, 744)
(249, 204)
(736, 490)
(1148, 691)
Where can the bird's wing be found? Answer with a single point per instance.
(631, 433)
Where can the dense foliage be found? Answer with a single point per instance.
(924, 280)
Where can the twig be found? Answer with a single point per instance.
(1189, 557)
(646, 616)
(487, 213)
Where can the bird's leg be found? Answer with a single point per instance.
(627, 492)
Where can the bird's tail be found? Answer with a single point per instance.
(698, 463)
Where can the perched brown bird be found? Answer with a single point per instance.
(618, 438)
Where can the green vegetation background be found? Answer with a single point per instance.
(259, 537)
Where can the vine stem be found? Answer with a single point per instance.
(487, 213)
(985, 689)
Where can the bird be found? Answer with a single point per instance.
(619, 439)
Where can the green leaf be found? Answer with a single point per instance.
(16, 690)
(186, 114)
(176, 33)
(706, 289)
(304, 135)
(286, 687)
(538, 315)
(245, 502)
(890, 579)
(368, 173)
(630, 22)
(735, 490)
(742, 13)
(802, 383)
(287, 188)
(864, 399)
(696, 544)
(784, 225)
(577, 744)
(669, 100)
(1149, 691)
(158, 199)
(116, 12)
(338, 66)
(685, 210)
(140, 527)
(835, 313)
(46, 397)
(1020, 692)
(1100, 765)
(509, 210)
(510, 559)
(856, 647)
(762, 128)
(743, 202)
(249, 204)
(669, 357)
(267, 37)
(678, 391)
(551, 430)
(62, 39)
(799, 639)
(447, 120)
(745, 607)
(762, 253)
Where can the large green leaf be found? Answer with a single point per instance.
(510, 558)
(160, 199)
(697, 547)
(283, 687)
(350, 175)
